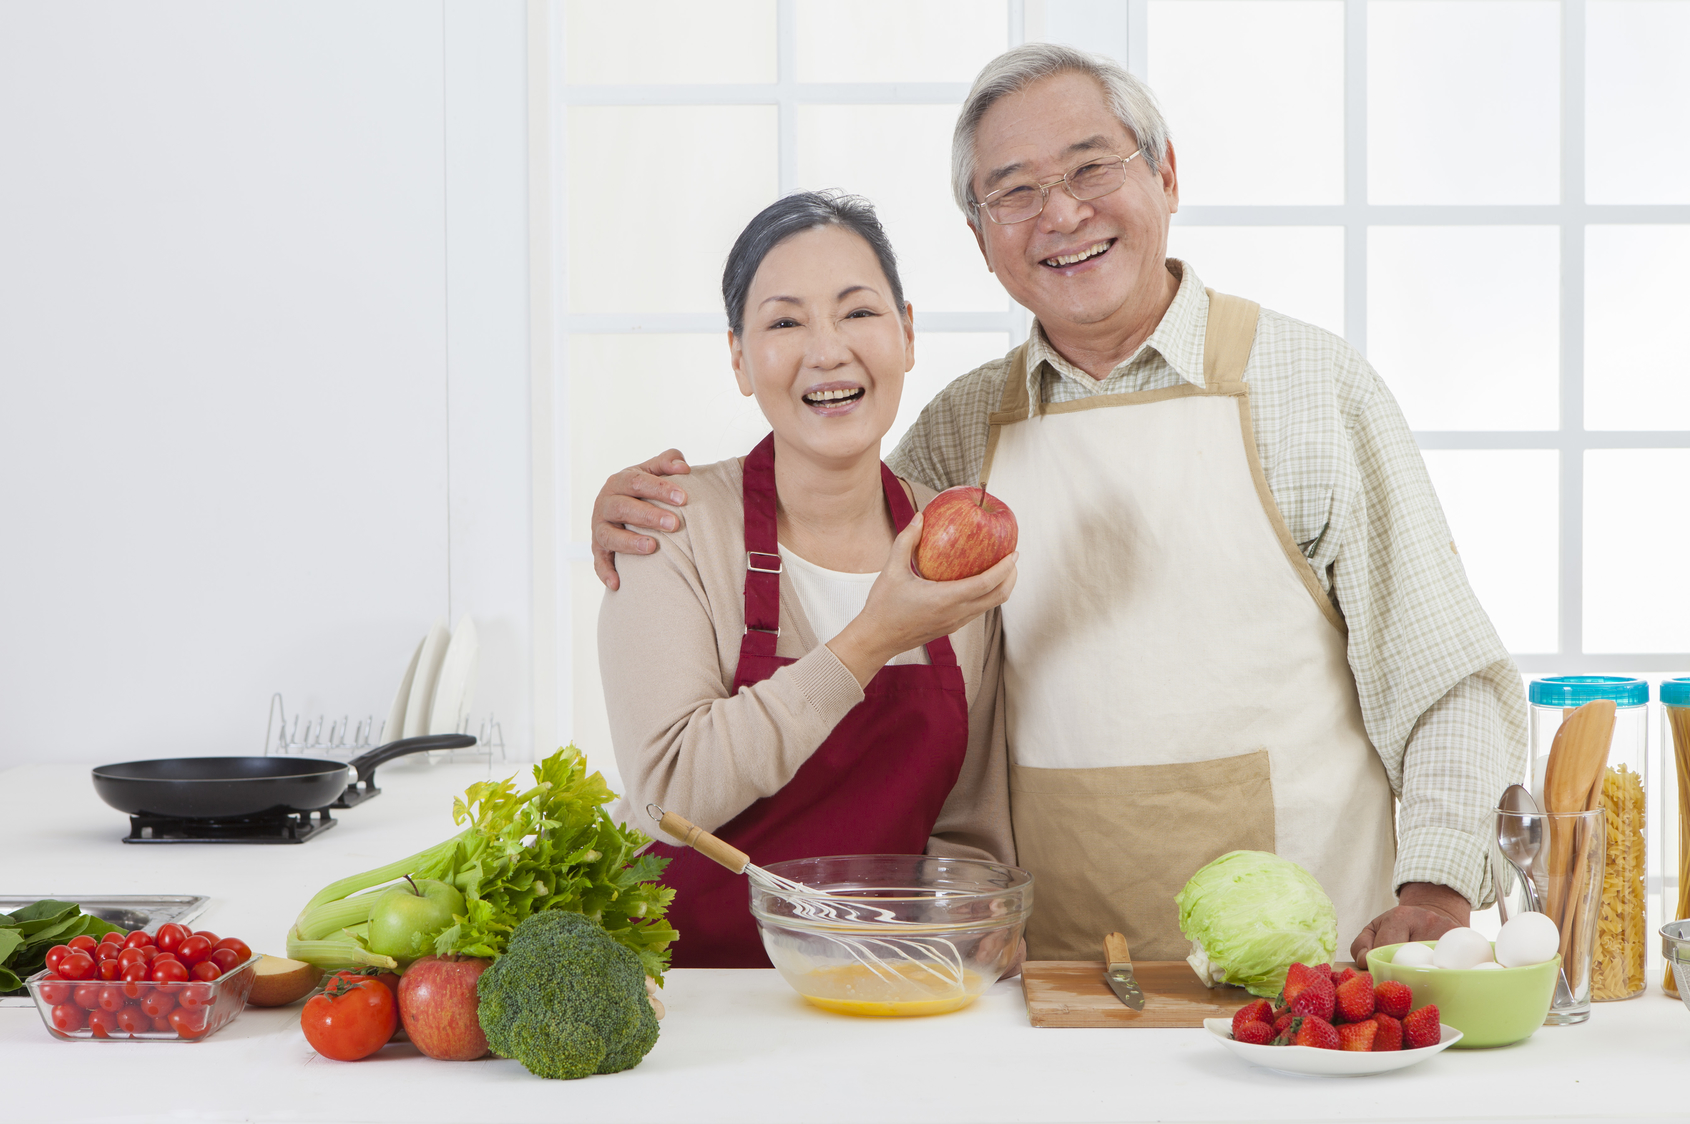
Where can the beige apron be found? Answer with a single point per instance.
(1175, 678)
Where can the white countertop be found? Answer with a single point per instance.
(736, 1045)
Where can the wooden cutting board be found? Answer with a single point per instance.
(1072, 993)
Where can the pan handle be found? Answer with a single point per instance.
(365, 765)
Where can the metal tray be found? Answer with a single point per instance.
(141, 911)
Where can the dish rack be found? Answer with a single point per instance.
(320, 736)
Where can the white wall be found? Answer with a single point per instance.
(263, 363)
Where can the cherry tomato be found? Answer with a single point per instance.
(55, 954)
(138, 939)
(168, 971)
(136, 982)
(226, 959)
(109, 970)
(131, 956)
(116, 937)
(77, 965)
(193, 950)
(188, 1023)
(197, 994)
(84, 942)
(112, 998)
(69, 1018)
(165, 956)
(206, 970)
(107, 952)
(158, 1003)
(169, 936)
(54, 990)
(239, 947)
(210, 937)
(104, 1024)
(132, 1020)
(351, 1019)
(162, 1025)
(86, 996)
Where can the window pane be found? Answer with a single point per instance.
(1637, 101)
(671, 41)
(1297, 270)
(1463, 101)
(632, 396)
(1503, 509)
(1636, 543)
(899, 40)
(1636, 371)
(589, 725)
(653, 239)
(1284, 60)
(899, 157)
(939, 358)
(1463, 323)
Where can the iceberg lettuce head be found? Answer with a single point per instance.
(1250, 915)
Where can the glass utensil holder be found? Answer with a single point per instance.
(1566, 885)
(1675, 828)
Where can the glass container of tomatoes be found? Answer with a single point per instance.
(143, 986)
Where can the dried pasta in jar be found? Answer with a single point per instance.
(1617, 963)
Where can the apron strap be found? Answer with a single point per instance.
(1228, 340)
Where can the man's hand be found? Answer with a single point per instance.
(1424, 912)
(621, 504)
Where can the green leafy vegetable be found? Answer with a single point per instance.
(1249, 915)
(550, 847)
(27, 934)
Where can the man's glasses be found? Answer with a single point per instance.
(1022, 201)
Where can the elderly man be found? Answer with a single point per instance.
(1241, 622)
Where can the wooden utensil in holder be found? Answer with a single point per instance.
(1573, 783)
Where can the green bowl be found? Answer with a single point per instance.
(1490, 1007)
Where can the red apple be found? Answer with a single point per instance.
(438, 1005)
(964, 531)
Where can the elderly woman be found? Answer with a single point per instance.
(810, 694)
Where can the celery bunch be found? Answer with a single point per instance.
(550, 847)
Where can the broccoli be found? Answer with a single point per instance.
(566, 1000)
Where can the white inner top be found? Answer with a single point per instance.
(831, 599)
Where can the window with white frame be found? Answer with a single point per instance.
(1491, 198)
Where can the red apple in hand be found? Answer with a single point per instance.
(438, 1006)
(964, 531)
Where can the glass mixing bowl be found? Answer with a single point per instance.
(893, 935)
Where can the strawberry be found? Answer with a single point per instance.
(1421, 1028)
(1344, 977)
(1355, 998)
(1312, 1030)
(1317, 999)
(1357, 1036)
(1260, 1011)
(1297, 977)
(1393, 998)
(1282, 1026)
(1390, 1032)
(1257, 1032)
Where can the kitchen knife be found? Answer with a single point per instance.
(1118, 971)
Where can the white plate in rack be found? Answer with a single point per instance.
(395, 727)
(418, 705)
(1308, 1061)
(455, 690)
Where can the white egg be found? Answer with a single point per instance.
(1414, 956)
(1487, 964)
(1461, 948)
(1527, 938)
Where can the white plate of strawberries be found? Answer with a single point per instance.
(1335, 1024)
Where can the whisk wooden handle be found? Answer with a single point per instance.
(691, 835)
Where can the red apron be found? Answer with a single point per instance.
(874, 786)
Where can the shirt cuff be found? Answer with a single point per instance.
(1446, 857)
(825, 684)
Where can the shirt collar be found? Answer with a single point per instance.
(1178, 338)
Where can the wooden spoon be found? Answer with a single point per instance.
(1573, 783)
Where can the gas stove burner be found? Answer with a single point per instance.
(278, 827)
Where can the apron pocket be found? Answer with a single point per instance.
(1109, 848)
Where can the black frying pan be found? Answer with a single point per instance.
(215, 788)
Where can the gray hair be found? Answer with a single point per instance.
(1019, 67)
(792, 215)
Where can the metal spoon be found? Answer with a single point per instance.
(1520, 837)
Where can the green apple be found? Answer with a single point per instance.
(406, 919)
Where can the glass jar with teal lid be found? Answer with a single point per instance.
(1675, 807)
(1620, 957)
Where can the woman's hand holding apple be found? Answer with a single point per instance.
(905, 611)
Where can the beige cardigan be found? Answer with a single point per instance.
(668, 649)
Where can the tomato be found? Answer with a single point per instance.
(137, 984)
(69, 1018)
(86, 996)
(169, 936)
(206, 970)
(132, 956)
(210, 937)
(132, 1020)
(162, 1025)
(226, 959)
(158, 1003)
(165, 956)
(54, 990)
(76, 965)
(109, 970)
(55, 954)
(108, 951)
(234, 944)
(188, 1023)
(138, 939)
(114, 937)
(196, 995)
(112, 998)
(104, 1024)
(352, 1019)
(193, 950)
(168, 971)
(84, 942)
